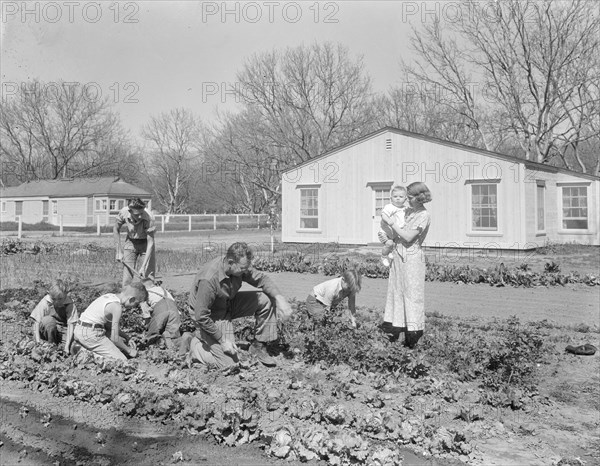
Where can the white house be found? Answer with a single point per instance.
(481, 199)
(79, 201)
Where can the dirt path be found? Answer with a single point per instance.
(92, 436)
(78, 433)
(567, 305)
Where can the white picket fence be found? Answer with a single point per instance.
(198, 222)
(182, 222)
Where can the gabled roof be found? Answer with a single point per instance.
(76, 187)
(528, 163)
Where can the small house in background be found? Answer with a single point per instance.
(481, 199)
(79, 201)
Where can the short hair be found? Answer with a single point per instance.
(397, 187)
(419, 191)
(58, 289)
(237, 251)
(136, 203)
(353, 279)
(137, 290)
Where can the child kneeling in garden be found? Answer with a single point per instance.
(101, 320)
(55, 316)
(327, 295)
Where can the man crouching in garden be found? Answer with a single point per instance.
(215, 300)
(102, 318)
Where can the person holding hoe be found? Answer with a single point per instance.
(139, 242)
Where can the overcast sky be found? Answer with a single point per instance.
(152, 56)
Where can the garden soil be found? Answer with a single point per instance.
(105, 438)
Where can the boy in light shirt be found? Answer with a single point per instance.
(98, 327)
(327, 295)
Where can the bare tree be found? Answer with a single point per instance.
(424, 111)
(174, 156)
(311, 99)
(581, 104)
(522, 71)
(296, 104)
(246, 161)
(52, 130)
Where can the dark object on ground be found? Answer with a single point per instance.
(583, 350)
(75, 347)
(259, 350)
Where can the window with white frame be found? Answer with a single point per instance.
(309, 207)
(382, 197)
(54, 207)
(19, 208)
(120, 204)
(101, 204)
(540, 203)
(113, 204)
(3, 207)
(484, 207)
(574, 208)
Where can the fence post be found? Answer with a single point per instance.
(189, 223)
(162, 223)
(214, 222)
(237, 222)
(20, 230)
(98, 225)
(60, 225)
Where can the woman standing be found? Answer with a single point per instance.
(139, 242)
(404, 308)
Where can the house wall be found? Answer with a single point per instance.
(8, 215)
(554, 231)
(346, 200)
(72, 210)
(89, 210)
(31, 211)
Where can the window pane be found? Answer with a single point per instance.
(575, 224)
(484, 211)
(574, 209)
(309, 208)
(541, 223)
(309, 223)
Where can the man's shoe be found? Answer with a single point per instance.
(259, 350)
(185, 343)
(152, 339)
